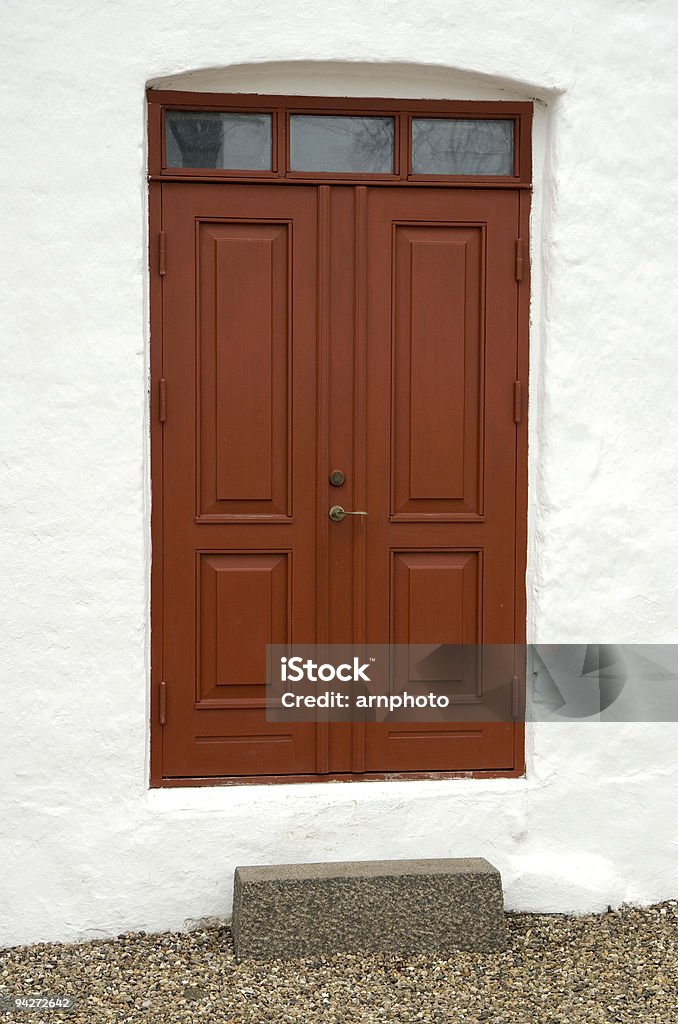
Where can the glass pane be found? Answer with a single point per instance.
(204, 138)
(349, 145)
(441, 146)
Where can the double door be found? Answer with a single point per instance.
(332, 345)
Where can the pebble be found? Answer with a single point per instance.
(615, 968)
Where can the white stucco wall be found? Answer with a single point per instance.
(85, 848)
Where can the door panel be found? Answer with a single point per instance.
(242, 606)
(438, 276)
(244, 358)
(308, 329)
(436, 594)
(239, 311)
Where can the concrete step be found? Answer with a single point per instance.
(399, 906)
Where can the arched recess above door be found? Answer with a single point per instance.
(351, 78)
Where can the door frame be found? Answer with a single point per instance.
(280, 107)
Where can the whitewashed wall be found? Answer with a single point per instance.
(85, 848)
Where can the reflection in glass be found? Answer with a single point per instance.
(346, 145)
(205, 138)
(457, 146)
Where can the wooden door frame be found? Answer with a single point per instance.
(280, 108)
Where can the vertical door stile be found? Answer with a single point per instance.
(157, 623)
(521, 494)
(322, 448)
(359, 445)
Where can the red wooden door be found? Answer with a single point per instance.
(308, 329)
(441, 452)
(239, 527)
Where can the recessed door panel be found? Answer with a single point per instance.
(244, 361)
(242, 607)
(436, 596)
(437, 370)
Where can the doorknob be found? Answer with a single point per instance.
(337, 513)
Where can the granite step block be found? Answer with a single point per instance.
(400, 906)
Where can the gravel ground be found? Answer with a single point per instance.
(619, 966)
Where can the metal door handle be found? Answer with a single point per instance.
(337, 513)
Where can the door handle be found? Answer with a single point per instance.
(337, 513)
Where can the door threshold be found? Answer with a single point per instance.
(179, 782)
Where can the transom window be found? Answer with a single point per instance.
(460, 146)
(268, 137)
(206, 138)
(319, 142)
